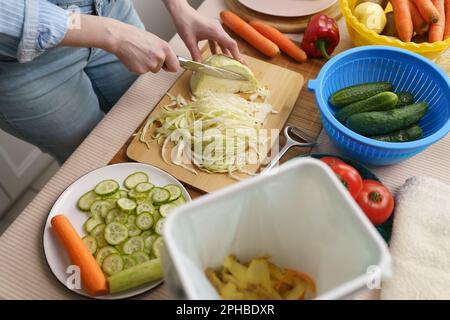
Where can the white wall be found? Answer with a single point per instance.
(156, 18)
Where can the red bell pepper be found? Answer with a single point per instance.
(321, 36)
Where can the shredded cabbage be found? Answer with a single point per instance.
(217, 133)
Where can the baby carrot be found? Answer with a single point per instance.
(92, 277)
(436, 32)
(249, 34)
(447, 20)
(419, 24)
(403, 20)
(284, 43)
(427, 10)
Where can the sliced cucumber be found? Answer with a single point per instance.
(140, 257)
(133, 244)
(106, 187)
(91, 223)
(112, 264)
(98, 230)
(160, 195)
(123, 193)
(128, 261)
(144, 187)
(166, 209)
(158, 247)
(134, 179)
(133, 194)
(181, 200)
(144, 221)
(101, 241)
(115, 215)
(146, 234)
(159, 226)
(175, 191)
(133, 230)
(148, 243)
(86, 200)
(103, 253)
(100, 208)
(145, 207)
(90, 243)
(114, 196)
(115, 233)
(126, 205)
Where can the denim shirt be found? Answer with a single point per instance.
(30, 27)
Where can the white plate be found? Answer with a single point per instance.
(288, 8)
(57, 259)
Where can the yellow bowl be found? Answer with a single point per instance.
(361, 36)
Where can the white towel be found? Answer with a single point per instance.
(420, 244)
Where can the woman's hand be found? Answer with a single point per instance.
(193, 27)
(140, 51)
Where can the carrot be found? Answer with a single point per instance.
(436, 32)
(419, 24)
(447, 20)
(403, 20)
(249, 34)
(427, 10)
(92, 277)
(284, 43)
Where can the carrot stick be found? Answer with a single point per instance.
(249, 34)
(436, 32)
(284, 43)
(419, 24)
(447, 20)
(92, 277)
(403, 20)
(427, 10)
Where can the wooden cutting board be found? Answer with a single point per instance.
(285, 86)
(284, 24)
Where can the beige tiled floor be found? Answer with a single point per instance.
(14, 211)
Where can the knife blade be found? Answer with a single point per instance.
(210, 70)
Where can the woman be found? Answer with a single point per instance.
(60, 71)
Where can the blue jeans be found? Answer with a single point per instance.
(55, 100)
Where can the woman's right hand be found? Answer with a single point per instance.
(140, 51)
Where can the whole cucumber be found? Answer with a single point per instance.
(135, 276)
(404, 99)
(358, 92)
(382, 122)
(379, 102)
(409, 134)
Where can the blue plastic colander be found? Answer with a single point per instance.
(407, 71)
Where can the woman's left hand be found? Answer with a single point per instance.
(193, 28)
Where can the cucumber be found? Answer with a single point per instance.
(115, 233)
(126, 205)
(135, 276)
(404, 99)
(144, 221)
(159, 226)
(166, 209)
(158, 247)
(103, 253)
(133, 244)
(90, 243)
(160, 195)
(175, 191)
(379, 102)
(409, 134)
(144, 187)
(133, 194)
(91, 223)
(106, 187)
(128, 261)
(133, 230)
(112, 264)
(181, 200)
(382, 122)
(100, 208)
(358, 92)
(134, 179)
(140, 257)
(148, 243)
(145, 207)
(123, 193)
(115, 215)
(112, 197)
(98, 230)
(86, 200)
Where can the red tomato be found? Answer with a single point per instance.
(376, 201)
(350, 178)
(331, 161)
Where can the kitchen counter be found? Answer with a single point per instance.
(24, 273)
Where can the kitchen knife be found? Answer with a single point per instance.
(210, 70)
